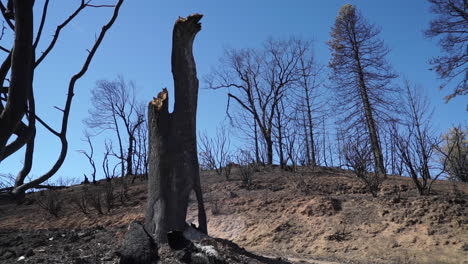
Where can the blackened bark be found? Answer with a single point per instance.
(307, 147)
(173, 161)
(311, 130)
(160, 200)
(257, 151)
(280, 137)
(21, 72)
(138, 247)
(131, 139)
(269, 145)
(362, 76)
(375, 143)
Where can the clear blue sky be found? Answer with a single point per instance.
(139, 47)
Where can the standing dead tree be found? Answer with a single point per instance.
(288, 124)
(89, 155)
(295, 149)
(416, 142)
(173, 161)
(115, 109)
(248, 131)
(361, 76)
(214, 152)
(451, 27)
(357, 156)
(308, 107)
(141, 148)
(109, 152)
(280, 123)
(21, 63)
(257, 80)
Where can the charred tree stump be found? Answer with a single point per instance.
(173, 162)
(138, 247)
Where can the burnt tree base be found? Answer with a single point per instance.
(138, 246)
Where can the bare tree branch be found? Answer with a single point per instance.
(57, 33)
(450, 27)
(258, 80)
(6, 17)
(63, 132)
(41, 25)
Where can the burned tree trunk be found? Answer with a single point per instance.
(22, 61)
(173, 161)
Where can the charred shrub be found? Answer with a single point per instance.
(247, 167)
(109, 196)
(358, 157)
(80, 201)
(50, 201)
(95, 200)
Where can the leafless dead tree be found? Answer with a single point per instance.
(288, 135)
(246, 129)
(89, 155)
(339, 145)
(416, 141)
(358, 157)
(393, 163)
(141, 149)
(115, 109)
(323, 144)
(308, 107)
(214, 152)
(258, 79)
(108, 173)
(294, 147)
(281, 122)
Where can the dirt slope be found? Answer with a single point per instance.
(317, 215)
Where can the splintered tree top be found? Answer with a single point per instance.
(158, 101)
